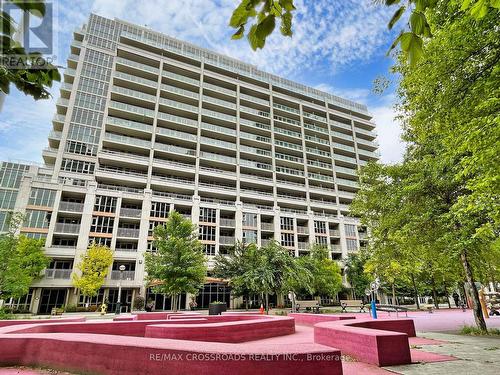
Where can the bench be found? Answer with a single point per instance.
(429, 308)
(307, 305)
(390, 308)
(354, 303)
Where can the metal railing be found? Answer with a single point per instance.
(130, 212)
(67, 228)
(122, 275)
(70, 206)
(128, 232)
(57, 274)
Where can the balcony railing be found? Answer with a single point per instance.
(128, 232)
(70, 206)
(57, 274)
(227, 222)
(226, 240)
(122, 275)
(67, 228)
(303, 230)
(334, 233)
(130, 212)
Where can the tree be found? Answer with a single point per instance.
(355, 273)
(411, 40)
(326, 279)
(179, 263)
(23, 260)
(28, 78)
(93, 267)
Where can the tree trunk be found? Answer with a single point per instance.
(415, 291)
(394, 302)
(434, 292)
(174, 302)
(476, 304)
(267, 303)
(446, 294)
(246, 302)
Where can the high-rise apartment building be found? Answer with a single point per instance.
(147, 124)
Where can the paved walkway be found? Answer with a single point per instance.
(476, 355)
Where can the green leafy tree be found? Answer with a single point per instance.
(179, 264)
(326, 279)
(356, 275)
(23, 260)
(29, 78)
(410, 40)
(93, 269)
(240, 258)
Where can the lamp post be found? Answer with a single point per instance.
(119, 303)
(374, 287)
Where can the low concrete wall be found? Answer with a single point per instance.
(13, 322)
(366, 342)
(224, 331)
(311, 319)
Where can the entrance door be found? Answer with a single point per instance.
(52, 298)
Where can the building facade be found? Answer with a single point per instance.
(147, 124)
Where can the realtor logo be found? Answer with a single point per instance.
(34, 32)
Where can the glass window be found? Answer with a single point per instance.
(207, 233)
(42, 197)
(319, 227)
(350, 230)
(287, 223)
(287, 239)
(250, 236)
(249, 220)
(208, 215)
(105, 204)
(352, 245)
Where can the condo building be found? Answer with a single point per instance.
(147, 124)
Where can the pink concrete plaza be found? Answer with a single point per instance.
(278, 335)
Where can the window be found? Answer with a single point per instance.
(287, 239)
(151, 247)
(105, 204)
(207, 233)
(8, 199)
(286, 223)
(100, 241)
(319, 227)
(352, 245)
(249, 236)
(84, 133)
(350, 230)
(63, 242)
(78, 166)
(42, 197)
(87, 117)
(59, 264)
(159, 209)
(35, 236)
(11, 174)
(152, 226)
(81, 148)
(209, 249)
(37, 219)
(102, 224)
(249, 220)
(126, 246)
(321, 240)
(208, 215)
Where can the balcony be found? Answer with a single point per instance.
(287, 132)
(137, 65)
(269, 227)
(289, 171)
(320, 164)
(317, 151)
(57, 274)
(341, 125)
(58, 118)
(135, 79)
(254, 124)
(253, 111)
(229, 223)
(177, 119)
(314, 117)
(55, 135)
(317, 140)
(255, 164)
(181, 78)
(122, 275)
(218, 143)
(226, 240)
(218, 129)
(127, 140)
(219, 102)
(178, 105)
(335, 248)
(288, 145)
(334, 233)
(179, 91)
(130, 212)
(219, 89)
(303, 245)
(253, 99)
(134, 94)
(254, 137)
(175, 149)
(217, 157)
(140, 111)
(286, 108)
(302, 230)
(176, 134)
(127, 232)
(286, 120)
(70, 206)
(315, 128)
(67, 228)
(217, 115)
(342, 181)
(129, 124)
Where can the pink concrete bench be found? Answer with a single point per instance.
(224, 331)
(312, 319)
(35, 345)
(5, 323)
(381, 342)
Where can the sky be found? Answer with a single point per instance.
(338, 46)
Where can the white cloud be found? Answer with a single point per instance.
(388, 129)
(328, 35)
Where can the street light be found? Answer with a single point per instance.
(119, 304)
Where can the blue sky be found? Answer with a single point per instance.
(338, 46)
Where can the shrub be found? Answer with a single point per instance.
(71, 308)
(474, 331)
(139, 303)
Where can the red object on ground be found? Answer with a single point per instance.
(379, 342)
(261, 310)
